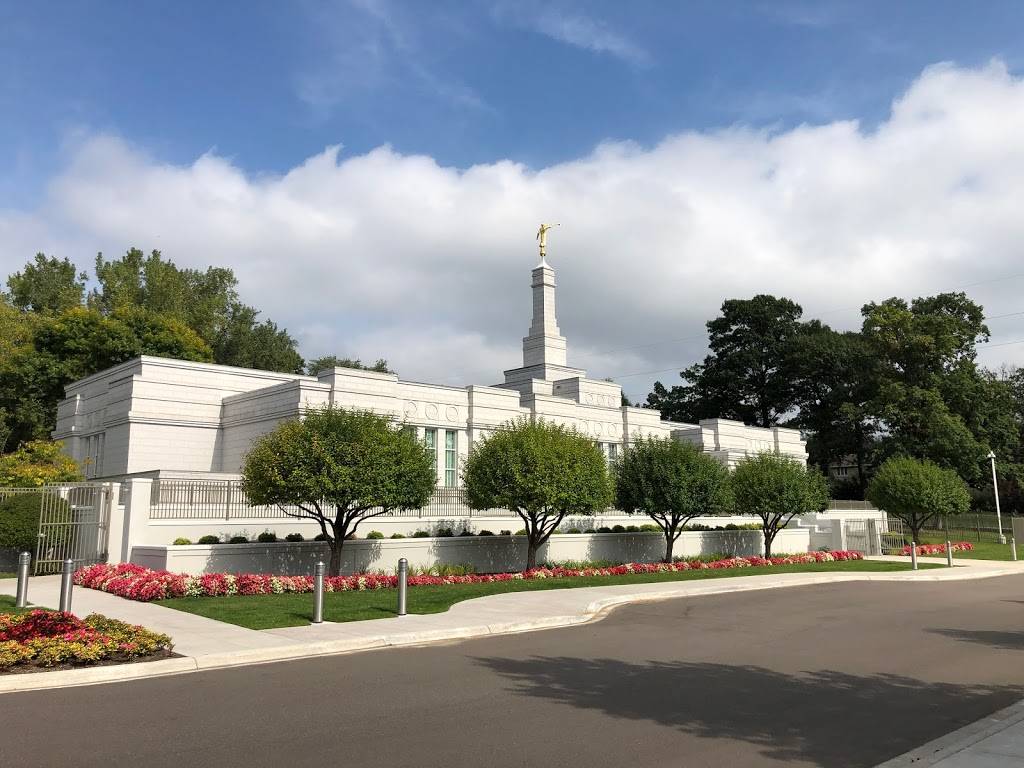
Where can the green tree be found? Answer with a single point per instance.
(339, 468)
(249, 344)
(47, 285)
(58, 349)
(836, 382)
(200, 299)
(929, 382)
(36, 463)
(314, 366)
(748, 374)
(542, 472)
(918, 492)
(672, 483)
(776, 489)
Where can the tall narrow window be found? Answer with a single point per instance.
(430, 440)
(613, 451)
(451, 454)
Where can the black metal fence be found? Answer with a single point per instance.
(226, 500)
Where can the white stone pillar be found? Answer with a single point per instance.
(128, 522)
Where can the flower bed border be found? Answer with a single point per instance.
(135, 582)
(42, 640)
(939, 549)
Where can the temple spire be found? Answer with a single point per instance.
(545, 345)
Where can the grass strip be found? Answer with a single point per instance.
(294, 610)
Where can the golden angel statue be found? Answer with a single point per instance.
(542, 237)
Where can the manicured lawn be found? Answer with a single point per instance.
(983, 550)
(294, 610)
(7, 605)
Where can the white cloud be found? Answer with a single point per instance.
(572, 27)
(389, 255)
(590, 34)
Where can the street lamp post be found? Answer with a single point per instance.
(995, 490)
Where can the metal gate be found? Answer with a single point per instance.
(72, 524)
(875, 537)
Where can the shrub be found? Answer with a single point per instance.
(465, 532)
(632, 529)
(504, 532)
(485, 533)
(209, 539)
(521, 532)
(238, 540)
(19, 521)
(397, 535)
(294, 537)
(574, 530)
(375, 535)
(181, 541)
(618, 529)
(589, 530)
(650, 528)
(320, 537)
(421, 535)
(36, 463)
(350, 537)
(444, 533)
(604, 529)
(267, 537)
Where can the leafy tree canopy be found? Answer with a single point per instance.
(339, 467)
(918, 492)
(314, 366)
(36, 463)
(47, 285)
(748, 375)
(541, 471)
(672, 483)
(776, 489)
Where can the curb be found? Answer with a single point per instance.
(594, 611)
(946, 746)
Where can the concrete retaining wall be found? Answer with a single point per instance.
(488, 554)
(166, 531)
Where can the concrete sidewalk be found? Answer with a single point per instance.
(996, 741)
(208, 644)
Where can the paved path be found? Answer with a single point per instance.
(845, 674)
(192, 635)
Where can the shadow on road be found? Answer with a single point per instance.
(829, 718)
(1013, 641)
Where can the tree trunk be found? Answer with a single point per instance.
(915, 533)
(768, 539)
(531, 551)
(334, 568)
(670, 542)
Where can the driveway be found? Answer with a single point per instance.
(843, 674)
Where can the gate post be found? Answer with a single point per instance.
(127, 522)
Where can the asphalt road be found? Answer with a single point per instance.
(838, 675)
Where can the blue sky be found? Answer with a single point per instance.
(269, 83)
(397, 157)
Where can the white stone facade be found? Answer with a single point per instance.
(155, 414)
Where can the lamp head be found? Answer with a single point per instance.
(991, 455)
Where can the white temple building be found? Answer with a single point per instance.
(152, 415)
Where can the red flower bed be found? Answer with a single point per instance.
(47, 638)
(137, 583)
(940, 549)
